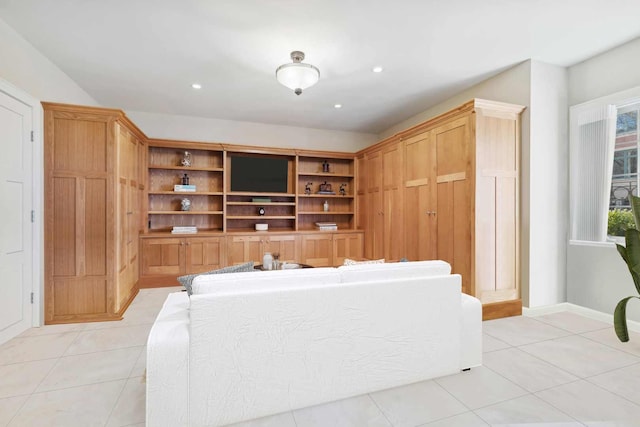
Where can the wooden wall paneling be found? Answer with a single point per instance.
(498, 182)
(361, 193)
(374, 240)
(393, 209)
(419, 196)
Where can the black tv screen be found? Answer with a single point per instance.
(259, 174)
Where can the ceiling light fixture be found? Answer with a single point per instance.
(196, 86)
(377, 69)
(337, 106)
(297, 76)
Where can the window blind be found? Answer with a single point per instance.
(592, 144)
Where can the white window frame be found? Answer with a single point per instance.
(619, 100)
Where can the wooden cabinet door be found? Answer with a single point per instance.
(454, 198)
(288, 246)
(346, 245)
(163, 256)
(317, 250)
(419, 198)
(393, 209)
(374, 238)
(203, 254)
(241, 249)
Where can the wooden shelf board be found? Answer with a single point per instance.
(265, 217)
(246, 193)
(182, 168)
(325, 213)
(325, 196)
(335, 175)
(185, 212)
(261, 203)
(185, 193)
(167, 233)
(252, 230)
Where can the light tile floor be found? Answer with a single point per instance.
(555, 370)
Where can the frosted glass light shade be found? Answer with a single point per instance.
(297, 76)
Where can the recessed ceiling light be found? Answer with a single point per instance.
(377, 69)
(196, 86)
(337, 106)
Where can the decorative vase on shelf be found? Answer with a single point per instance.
(185, 179)
(186, 159)
(185, 204)
(325, 206)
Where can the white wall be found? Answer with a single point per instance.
(26, 68)
(596, 276)
(612, 71)
(190, 128)
(548, 185)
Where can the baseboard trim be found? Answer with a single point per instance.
(573, 308)
(497, 310)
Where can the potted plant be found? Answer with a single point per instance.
(631, 255)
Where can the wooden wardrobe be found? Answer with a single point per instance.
(93, 203)
(460, 199)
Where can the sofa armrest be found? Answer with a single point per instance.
(168, 365)
(471, 332)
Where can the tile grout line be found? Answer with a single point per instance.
(607, 345)
(528, 393)
(379, 409)
(115, 404)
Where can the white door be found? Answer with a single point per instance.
(16, 244)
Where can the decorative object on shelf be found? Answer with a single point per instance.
(262, 227)
(343, 190)
(186, 159)
(185, 204)
(325, 189)
(326, 226)
(184, 188)
(267, 261)
(325, 167)
(261, 211)
(276, 261)
(325, 206)
(184, 229)
(297, 75)
(307, 188)
(185, 179)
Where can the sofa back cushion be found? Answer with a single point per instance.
(277, 279)
(395, 270)
(264, 352)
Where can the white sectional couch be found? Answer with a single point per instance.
(247, 345)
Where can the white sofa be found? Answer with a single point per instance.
(247, 345)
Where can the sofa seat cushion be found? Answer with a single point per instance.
(395, 270)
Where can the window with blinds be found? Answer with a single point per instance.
(603, 167)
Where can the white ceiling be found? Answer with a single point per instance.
(143, 55)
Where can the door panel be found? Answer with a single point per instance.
(16, 247)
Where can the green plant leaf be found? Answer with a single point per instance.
(623, 252)
(620, 319)
(632, 250)
(635, 208)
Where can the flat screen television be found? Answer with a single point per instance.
(259, 174)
